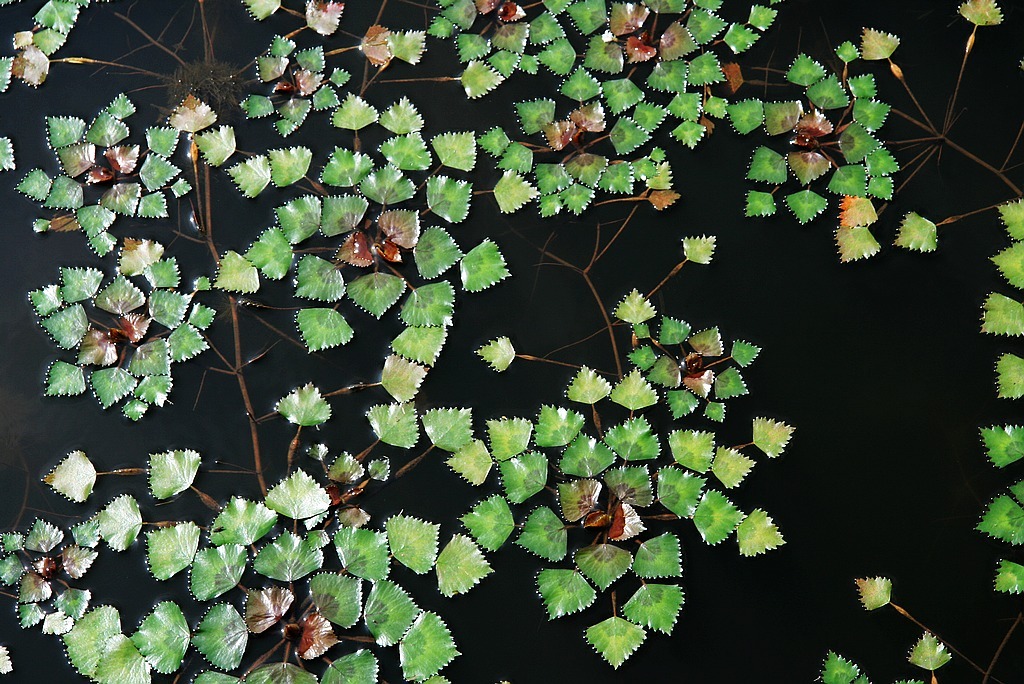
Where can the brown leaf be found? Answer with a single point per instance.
(264, 608)
(663, 198)
(733, 76)
(375, 46)
(64, 224)
(317, 636)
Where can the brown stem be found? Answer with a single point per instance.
(153, 41)
(671, 274)
(413, 463)
(945, 643)
(1002, 645)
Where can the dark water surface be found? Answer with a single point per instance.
(880, 366)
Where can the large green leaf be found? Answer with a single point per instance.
(564, 592)
(757, 534)
(524, 476)
(426, 648)
(298, 496)
(716, 517)
(490, 522)
(603, 563)
(413, 542)
(1004, 444)
(172, 472)
(74, 477)
(655, 606)
(389, 612)
(460, 566)
(86, 639)
(305, 406)
(338, 598)
(120, 522)
(242, 522)
(171, 549)
(395, 424)
(163, 637)
(363, 553)
(658, 557)
(216, 570)
(508, 437)
(449, 428)
(615, 639)
(221, 636)
(376, 292)
(288, 558)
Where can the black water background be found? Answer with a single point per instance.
(880, 366)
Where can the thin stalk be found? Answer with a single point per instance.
(945, 643)
(1002, 645)
(153, 41)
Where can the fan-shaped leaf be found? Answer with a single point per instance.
(337, 597)
(587, 387)
(86, 639)
(363, 553)
(217, 570)
(305, 406)
(221, 636)
(413, 542)
(426, 647)
(615, 639)
(172, 472)
(524, 476)
(394, 424)
(389, 612)
(460, 566)
(603, 563)
(449, 428)
(298, 496)
(376, 292)
(242, 522)
(120, 522)
(163, 637)
(171, 549)
(288, 558)
(74, 477)
(564, 592)
(929, 653)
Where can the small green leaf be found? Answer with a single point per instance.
(929, 653)
(757, 534)
(376, 292)
(512, 192)
(172, 472)
(1010, 376)
(875, 592)
(363, 553)
(472, 462)
(323, 328)
(603, 563)
(524, 476)
(658, 557)
(120, 522)
(221, 636)
(499, 353)
(1010, 577)
(478, 79)
(449, 428)
(877, 44)
(544, 535)
(716, 517)
(1004, 445)
(389, 612)
(483, 266)
(587, 387)
(242, 522)
(395, 424)
(217, 570)
(655, 606)
(288, 558)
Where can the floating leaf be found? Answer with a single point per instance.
(242, 522)
(508, 437)
(929, 653)
(603, 563)
(1004, 445)
(288, 558)
(478, 79)
(877, 44)
(587, 387)
(472, 462)
(394, 424)
(1010, 577)
(449, 428)
(655, 606)
(338, 598)
(716, 517)
(172, 472)
(171, 549)
(564, 592)
(221, 636)
(1010, 376)
(363, 553)
(875, 592)
(298, 496)
(460, 566)
(757, 534)
(482, 267)
(524, 476)
(74, 477)
(413, 542)
(615, 639)
(449, 198)
(389, 612)
(376, 292)
(658, 557)
(426, 647)
(120, 522)
(217, 570)
(323, 328)
(305, 406)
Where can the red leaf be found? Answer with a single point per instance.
(356, 250)
(264, 608)
(317, 636)
(639, 51)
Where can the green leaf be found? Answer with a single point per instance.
(354, 668)
(163, 637)
(172, 472)
(68, 326)
(705, 70)
(588, 15)
(490, 522)
(1004, 445)
(512, 192)
(615, 639)
(806, 204)
(631, 485)
(217, 570)
(929, 653)
(917, 233)
(870, 113)
(449, 428)
(354, 113)
(363, 553)
(120, 522)
(692, 449)
(242, 522)
(635, 309)
(478, 79)
(483, 266)
(746, 115)
(1010, 263)
(633, 440)
(74, 477)
(402, 378)
(499, 353)
(171, 549)
(768, 166)
(1010, 577)
(288, 558)
(716, 517)
(449, 198)
(581, 86)
(422, 344)
(586, 457)
(337, 598)
(658, 557)
(407, 152)
(461, 565)
(394, 424)
(877, 45)
(524, 476)
(508, 437)
(981, 12)
(1012, 215)
(413, 542)
(389, 612)
(805, 71)
(280, 673)
(655, 606)
(323, 329)
(236, 274)
(875, 592)
(544, 535)
(252, 175)
(375, 293)
(304, 406)
(472, 462)
(839, 670)
(426, 648)
(298, 496)
(435, 252)
(602, 564)
(564, 592)
(430, 305)
(757, 534)
(828, 94)
(1010, 376)
(557, 426)
(856, 143)
(221, 636)
(587, 387)
(856, 243)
